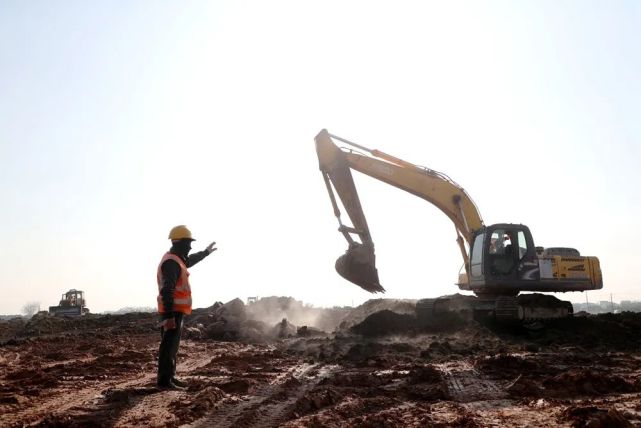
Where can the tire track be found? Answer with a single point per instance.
(269, 405)
(465, 384)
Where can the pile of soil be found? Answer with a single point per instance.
(594, 417)
(587, 381)
(385, 322)
(360, 313)
(10, 327)
(506, 363)
(603, 332)
(265, 320)
(273, 309)
(43, 324)
(315, 401)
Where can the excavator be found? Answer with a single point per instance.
(500, 260)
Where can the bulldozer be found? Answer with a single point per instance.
(72, 303)
(500, 260)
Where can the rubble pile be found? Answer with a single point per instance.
(385, 322)
(372, 306)
(42, 324)
(264, 320)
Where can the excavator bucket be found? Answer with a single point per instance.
(358, 265)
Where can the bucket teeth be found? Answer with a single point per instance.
(358, 265)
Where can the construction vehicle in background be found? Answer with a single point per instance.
(72, 303)
(500, 260)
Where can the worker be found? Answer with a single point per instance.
(174, 301)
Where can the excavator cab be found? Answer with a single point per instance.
(504, 260)
(503, 255)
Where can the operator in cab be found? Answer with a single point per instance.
(174, 300)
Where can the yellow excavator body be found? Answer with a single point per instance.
(500, 260)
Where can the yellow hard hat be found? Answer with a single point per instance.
(180, 232)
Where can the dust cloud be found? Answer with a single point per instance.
(272, 310)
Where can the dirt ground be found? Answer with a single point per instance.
(100, 371)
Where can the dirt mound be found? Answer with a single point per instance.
(43, 324)
(425, 374)
(203, 402)
(233, 321)
(385, 322)
(594, 417)
(426, 383)
(584, 381)
(605, 331)
(314, 401)
(360, 313)
(306, 331)
(354, 380)
(523, 386)
(261, 321)
(505, 362)
(271, 310)
(221, 321)
(10, 327)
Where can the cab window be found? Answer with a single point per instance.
(499, 241)
(476, 259)
(502, 252)
(522, 244)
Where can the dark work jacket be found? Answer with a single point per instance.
(170, 273)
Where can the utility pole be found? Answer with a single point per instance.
(587, 305)
(611, 303)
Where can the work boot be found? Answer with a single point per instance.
(169, 386)
(178, 382)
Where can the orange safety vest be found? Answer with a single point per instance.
(182, 292)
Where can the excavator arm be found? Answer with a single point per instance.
(358, 263)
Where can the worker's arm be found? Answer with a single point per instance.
(196, 257)
(170, 273)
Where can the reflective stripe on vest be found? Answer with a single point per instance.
(182, 291)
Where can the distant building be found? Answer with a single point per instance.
(631, 305)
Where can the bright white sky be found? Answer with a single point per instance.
(119, 120)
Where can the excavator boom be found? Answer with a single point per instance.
(358, 263)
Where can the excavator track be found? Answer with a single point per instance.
(506, 309)
(541, 307)
(525, 308)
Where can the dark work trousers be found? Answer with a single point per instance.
(169, 342)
